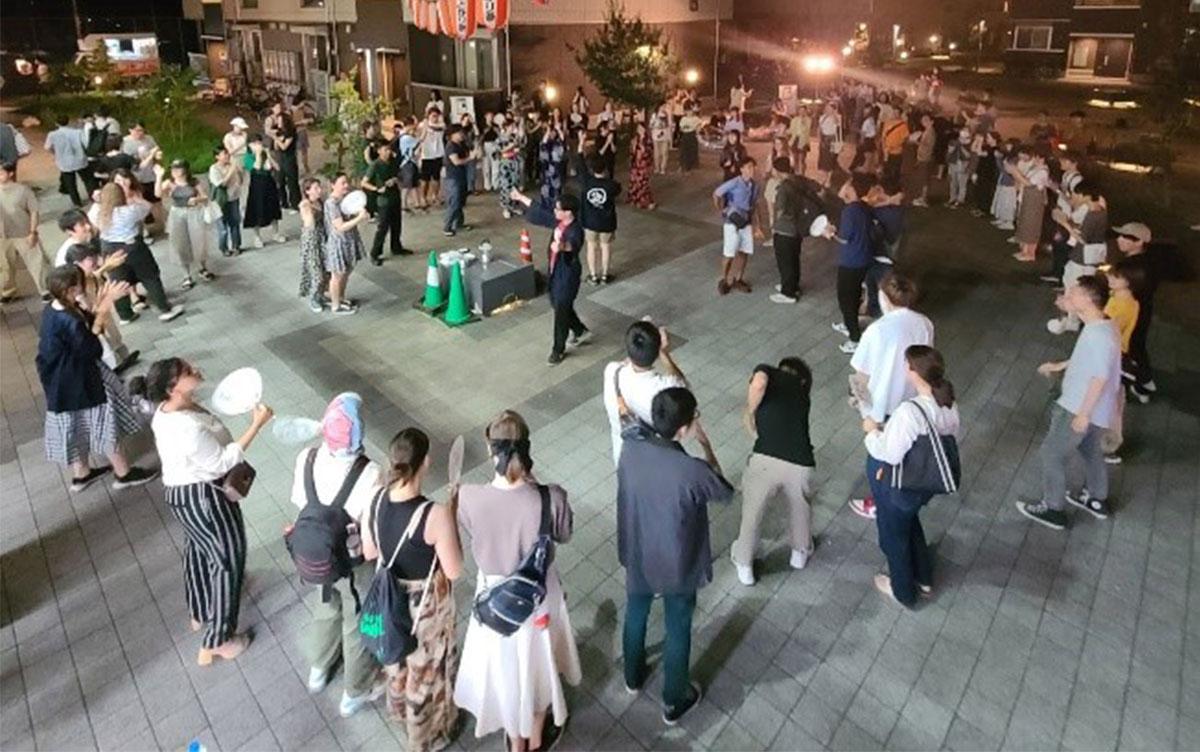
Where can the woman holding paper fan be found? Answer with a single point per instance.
(513, 683)
(901, 536)
(418, 542)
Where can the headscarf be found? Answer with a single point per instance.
(342, 425)
(505, 449)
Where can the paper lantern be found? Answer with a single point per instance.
(445, 17)
(493, 14)
(465, 19)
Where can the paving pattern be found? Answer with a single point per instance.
(1084, 640)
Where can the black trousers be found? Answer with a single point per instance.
(787, 258)
(139, 267)
(288, 179)
(566, 321)
(68, 187)
(387, 222)
(1060, 254)
(891, 169)
(849, 295)
(1139, 351)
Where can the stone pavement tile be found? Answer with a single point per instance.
(794, 738)
(617, 739)
(299, 724)
(778, 687)
(759, 716)
(179, 727)
(907, 737)
(643, 721)
(871, 715)
(851, 738)
(817, 718)
(1147, 723)
(963, 737)
(265, 742)
(68, 728)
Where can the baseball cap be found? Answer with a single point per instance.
(239, 122)
(1135, 230)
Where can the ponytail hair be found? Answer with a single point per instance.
(508, 441)
(928, 363)
(406, 454)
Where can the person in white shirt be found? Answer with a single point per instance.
(79, 231)
(67, 146)
(739, 95)
(432, 134)
(197, 453)
(910, 567)
(340, 473)
(637, 379)
(880, 379)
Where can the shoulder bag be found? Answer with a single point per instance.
(931, 464)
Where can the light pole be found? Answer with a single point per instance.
(717, 50)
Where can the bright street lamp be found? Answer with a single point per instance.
(550, 91)
(691, 75)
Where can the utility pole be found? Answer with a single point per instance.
(78, 20)
(717, 51)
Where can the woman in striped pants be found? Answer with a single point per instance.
(197, 452)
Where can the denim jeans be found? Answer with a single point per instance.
(456, 199)
(901, 537)
(677, 646)
(229, 229)
(1060, 443)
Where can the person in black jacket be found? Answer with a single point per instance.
(598, 211)
(565, 271)
(88, 410)
(798, 203)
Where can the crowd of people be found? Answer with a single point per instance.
(877, 154)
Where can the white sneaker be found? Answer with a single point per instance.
(799, 559)
(1055, 326)
(840, 328)
(256, 242)
(281, 238)
(351, 705)
(745, 572)
(920, 202)
(317, 680)
(778, 288)
(848, 347)
(174, 313)
(1150, 386)
(779, 297)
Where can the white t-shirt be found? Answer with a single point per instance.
(906, 426)
(60, 256)
(126, 222)
(433, 145)
(193, 447)
(328, 473)
(638, 388)
(880, 354)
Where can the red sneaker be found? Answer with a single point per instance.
(863, 507)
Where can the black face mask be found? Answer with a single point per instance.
(505, 449)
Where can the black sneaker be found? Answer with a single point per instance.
(135, 477)
(376, 261)
(556, 358)
(1097, 507)
(129, 361)
(95, 474)
(672, 716)
(1039, 512)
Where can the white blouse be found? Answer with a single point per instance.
(906, 425)
(193, 446)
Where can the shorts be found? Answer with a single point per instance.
(408, 175)
(148, 193)
(595, 236)
(738, 241)
(431, 170)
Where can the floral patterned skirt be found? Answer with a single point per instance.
(420, 692)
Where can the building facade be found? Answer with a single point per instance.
(1096, 40)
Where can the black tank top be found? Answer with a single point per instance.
(416, 556)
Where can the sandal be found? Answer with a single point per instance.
(206, 275)
(188, 283)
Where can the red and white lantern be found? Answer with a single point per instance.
(493, 14)
(465, 19)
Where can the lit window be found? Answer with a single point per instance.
(1032, 37)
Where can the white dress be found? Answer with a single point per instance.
(504, 681)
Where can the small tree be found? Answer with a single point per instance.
(342, 128)
(627, 60)
(168, 100)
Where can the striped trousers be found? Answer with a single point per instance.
(214, 557)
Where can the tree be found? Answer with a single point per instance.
(342, 128)
(168, 100)
(628, 60)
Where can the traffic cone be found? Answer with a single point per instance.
(457, 312)
(434, 299)
(526, 249)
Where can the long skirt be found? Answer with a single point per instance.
(1030, 215)
(505, 681)
(420, 692)
(262, 200)
(95, 431)
(689, 150)
(189, 235)
(507, 178)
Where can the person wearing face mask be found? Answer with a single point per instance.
(878, 362)
(515, 683)
(910, 566)
(197, 453)
(663, 495)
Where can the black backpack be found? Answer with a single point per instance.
(96, 141)
(801, 202)
(508, 604)
(386, 625)
(320, 540)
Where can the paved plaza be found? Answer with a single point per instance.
(1087, 639)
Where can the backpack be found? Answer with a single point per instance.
(321, 540)
(508, 604)
(386, 625)
(97, 139)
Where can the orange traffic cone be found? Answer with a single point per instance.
(526, 249)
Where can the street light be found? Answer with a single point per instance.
(817, 63)
(847, 51)
(550, 91)
(933, 39)
(691, 75)
(903, 54)
(953, 46)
